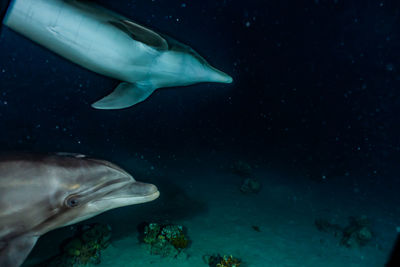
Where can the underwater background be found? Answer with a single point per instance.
(294, 164)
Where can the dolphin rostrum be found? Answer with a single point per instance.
(112, 45)
(39, 193)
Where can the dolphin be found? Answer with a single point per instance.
(39, 193)
(111, 45)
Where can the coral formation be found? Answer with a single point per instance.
(165, 240)
(250, 185)
(357, 233)
(84, 248)
(219, 261)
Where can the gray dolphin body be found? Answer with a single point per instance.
(39, 193)
(112, 45)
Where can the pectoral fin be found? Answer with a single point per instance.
(14, 252)
(124, 96)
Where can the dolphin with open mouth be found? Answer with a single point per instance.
(112, 45)
(39, 193)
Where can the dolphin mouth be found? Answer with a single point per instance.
(133, 190)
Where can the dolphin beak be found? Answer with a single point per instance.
(137, 192)
(145, 191)
(129, 194)
(218, 76)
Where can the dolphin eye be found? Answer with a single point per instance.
(72, 201)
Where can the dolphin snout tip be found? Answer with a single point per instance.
(152, 189)
(153, 192)
(229, 79)
(220, 76)
(156, 194)
(225, 78)
(145, 189)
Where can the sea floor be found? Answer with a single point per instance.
(202, 193)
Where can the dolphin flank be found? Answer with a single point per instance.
(39, 193)
(112, 45)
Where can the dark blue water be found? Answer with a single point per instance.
(316, 91)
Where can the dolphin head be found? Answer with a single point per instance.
(182, 65)
(199, 69)
(41, 193)
(104, 187)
